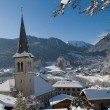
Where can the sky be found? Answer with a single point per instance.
(39, 22)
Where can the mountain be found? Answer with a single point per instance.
(48, 49)
(80, 44)
(102, 47)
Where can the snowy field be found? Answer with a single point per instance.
(95, 78)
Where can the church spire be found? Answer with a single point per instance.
(23, 43)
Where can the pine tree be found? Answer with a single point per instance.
(21, 103)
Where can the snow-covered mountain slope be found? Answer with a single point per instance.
(80, 44)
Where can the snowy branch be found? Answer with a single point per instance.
(95, 6)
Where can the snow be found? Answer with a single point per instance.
(53, 68)
(7, 85)
(6, 70)
(7, 100)
(50, 76)
(65, 1)
(60, 98)
(41, 86)
(78, 108)
(57, 109)
(75, 84)
(80, 44)
(97, 94)
(1, 106)
(24, 54)
(96, 78)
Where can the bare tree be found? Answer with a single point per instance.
(94, 6)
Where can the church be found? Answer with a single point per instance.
(25, 79)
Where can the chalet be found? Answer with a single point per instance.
(61, 101)
(97, 98)
(72, 88)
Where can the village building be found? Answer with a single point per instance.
(72, 88)
(7, 102)
(61, 101)
(8, 87)
(96, 98)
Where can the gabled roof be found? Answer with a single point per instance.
(75, 84)
(7, 86)
(60, 98)
(7, 100)
(96, 94)
(41, 86)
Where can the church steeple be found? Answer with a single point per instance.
(23, 43)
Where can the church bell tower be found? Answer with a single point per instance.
(23, 64)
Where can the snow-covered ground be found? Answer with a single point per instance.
(52, 69)
(96, 78)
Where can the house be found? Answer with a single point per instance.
(72, 88)
(8, 87)
(98, 98)
(7, 102)
(61, 101)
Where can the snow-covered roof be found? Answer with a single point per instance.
(75, 84)
(41, 86)
(23, 54)
(1, 106)
(7, 100)
(97, 94)
(60, 98)
(7, 86)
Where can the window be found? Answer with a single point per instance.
(63, 89)
(73, 89)
(68, 93)
(78, 89)
(18, 67)
(73, 94)
(21, 80)
(59, 89)
(21, 66)
(68, 89)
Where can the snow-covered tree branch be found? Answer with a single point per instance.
(94, 6)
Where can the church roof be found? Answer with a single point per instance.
(41, 86)
(23, 54)
(23, 43)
